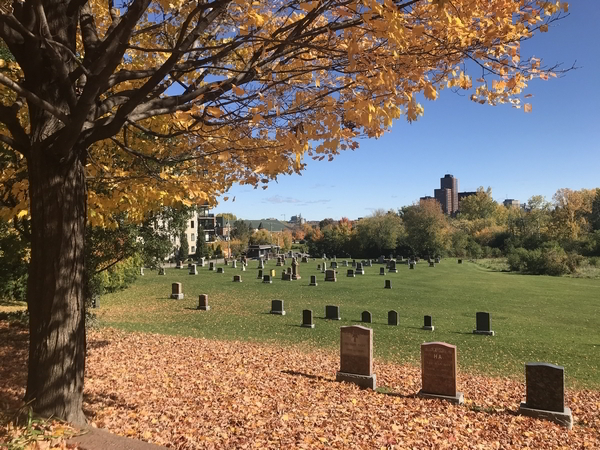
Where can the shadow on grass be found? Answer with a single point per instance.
(308, 375)
(191, 309)
(462, 332)
(97, 344)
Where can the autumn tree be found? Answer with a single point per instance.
(378, 233)
(128, 106)
(427, 230)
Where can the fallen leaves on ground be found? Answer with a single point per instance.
(189, 393)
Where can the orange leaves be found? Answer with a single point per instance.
(527, 107)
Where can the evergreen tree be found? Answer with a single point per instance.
(200, 243)
(184, 247)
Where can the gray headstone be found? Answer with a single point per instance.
(211, 266)
(176, 291)
(350, 273)
(220, 270)
(267, 279)
(277, 307)
(313, 280)
(142, 271)
(332, 312)
(307, 318)
(392, 317)
(412, 265)
(460, 261)
(431, 264)
(234, 264)
(260, 274)
(193, 270)
(203, 302)
(545, 385)
(382, 271)
(237, 279)
(330, 275)
(162, 271)
(366, 317)
(427, 323)
(388, 284)
(483, 324)
(359, 269)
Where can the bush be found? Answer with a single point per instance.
(551, 259)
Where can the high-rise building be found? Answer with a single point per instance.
(451, 183)
(444, 198)
(511, 203)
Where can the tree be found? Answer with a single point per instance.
(128, 108)
(228, 216)
(378, 233)
(184, 247)
(200, 243)
(478, 206)
(595, 215)
(426, 228)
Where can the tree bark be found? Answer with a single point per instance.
(55, 297)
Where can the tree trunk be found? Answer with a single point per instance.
(55, 288)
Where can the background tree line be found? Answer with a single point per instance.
(544, 237)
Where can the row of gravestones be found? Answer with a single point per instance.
(544, 382)
(483, 320)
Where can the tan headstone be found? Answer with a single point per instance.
(356, 350)
(438, 368)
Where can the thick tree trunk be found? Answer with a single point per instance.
(55, 288)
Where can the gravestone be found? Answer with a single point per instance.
(437, 260)
(545, 389)
(350, 273)
(277, 307)
(272, 273)
(324, 256)
(142, 271)
(279, 261)
(227, 261)
(369, 263)
(193, 270)
(334, 265)
(382, 271)
(201, 262)
(332, 312)
(392, 317)
(366, 317)
(412, 264)
(318, 266)
(286, 276)
(220, 270)
(324, 267)
(483, 324)
(203, 302)
(261, 264)
(356, 356)
(354, 264)
(260, 275)
(234, 264)
(427, 325)
(438, 372)
(176, 291)
(243, 269)
(313, 280)
(330, 275)
(345, 263)
(460, 261)
(211, 266)
(431, 264)
(179, 266)
(392, 267)
(388, 284)
(304, 259)
(162, 271)
(307, 318)
(237, 279)
(267, 279)
(359, 269)
(295, 274)
(381, 260)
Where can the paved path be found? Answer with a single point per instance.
(99, 439)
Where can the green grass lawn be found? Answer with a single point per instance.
(536, 318)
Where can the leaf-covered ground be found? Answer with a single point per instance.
(195, 393)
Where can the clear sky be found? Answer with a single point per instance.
(517, 154)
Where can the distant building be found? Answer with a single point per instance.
(450, 183)
(299, 220)
(463, 195)
(511, 203)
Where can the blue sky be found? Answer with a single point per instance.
(517, 154)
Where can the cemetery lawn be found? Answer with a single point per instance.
(536, 318)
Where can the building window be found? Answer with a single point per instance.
(192, 224)
(193, 237)
(193, 249)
